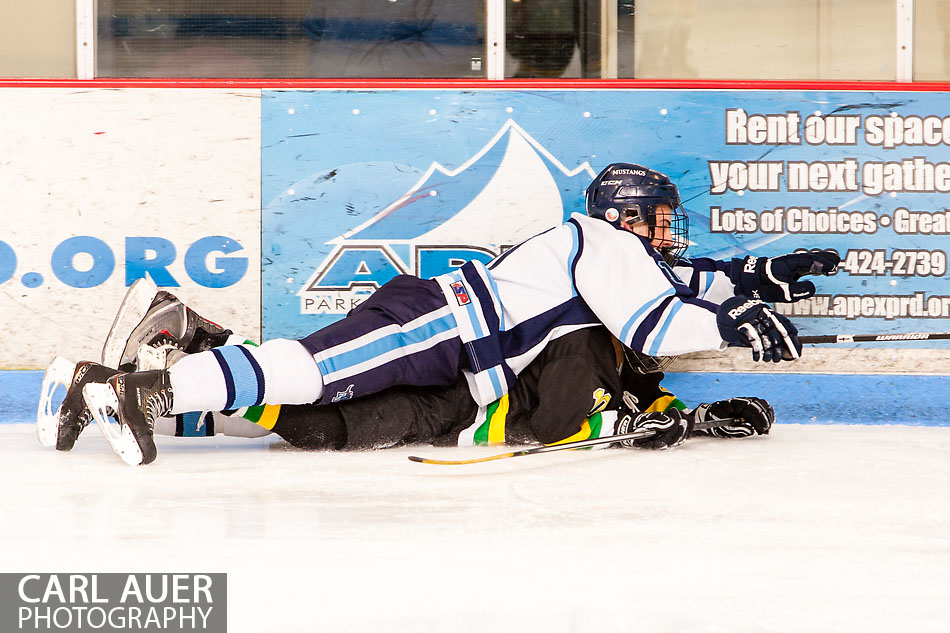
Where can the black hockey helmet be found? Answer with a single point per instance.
(641, 363)
(625, 193)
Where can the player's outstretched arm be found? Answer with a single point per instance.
(778, 278)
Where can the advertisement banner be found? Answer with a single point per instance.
(359, 186)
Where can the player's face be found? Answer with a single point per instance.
(662, 237)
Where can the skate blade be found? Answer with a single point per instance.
(101, 398)
(58, 374)
(131, 312)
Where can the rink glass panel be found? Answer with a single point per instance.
(837, 40)
(688, 39)
(757, 39)
(291, 38)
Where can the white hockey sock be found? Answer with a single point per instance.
(234, 376)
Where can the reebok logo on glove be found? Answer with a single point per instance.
(779, 278)
(738, 311)
(750, 262)
(751, 323)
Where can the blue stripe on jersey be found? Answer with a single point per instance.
(655, 346)
(702, 303)
(708, 278)
(707, 264)
(501, 374)
(681, 288)
(529, 333)
(649, 324)
(701, 282)
(243, 377)
(576, 249)
(625, 337)
(388, 343)
(493, 350)
(486, 351)
(496, 382)
(694, 281)
(474, 317)
(704, 269)
(477, 285)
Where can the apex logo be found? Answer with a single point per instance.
(511, 189)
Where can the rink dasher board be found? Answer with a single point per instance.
(873, 399)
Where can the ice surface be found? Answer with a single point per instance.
(814, 528)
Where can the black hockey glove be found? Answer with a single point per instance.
(777, 278)
(751, 323)
(671, 428)
(754, 415)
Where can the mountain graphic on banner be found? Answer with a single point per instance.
(509, 190)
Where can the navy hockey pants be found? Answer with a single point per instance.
(404, 334)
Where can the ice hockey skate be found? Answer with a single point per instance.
(134, 401)
(62, 427)
(151, 326)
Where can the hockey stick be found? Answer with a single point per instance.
(610, 439)
(873, 338)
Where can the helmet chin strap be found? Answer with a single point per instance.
(668, 257)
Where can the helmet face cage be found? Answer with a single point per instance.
(644, 364)
(625, 194)
(676, 238)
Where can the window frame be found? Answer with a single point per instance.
(86, 43)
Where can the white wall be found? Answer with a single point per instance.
(178, 165)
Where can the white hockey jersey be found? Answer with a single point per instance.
(573, 276)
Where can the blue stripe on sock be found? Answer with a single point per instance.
(228, 378)
(246, 384)
(258, 374)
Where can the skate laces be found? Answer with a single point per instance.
(84, 418)
(157, 404)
